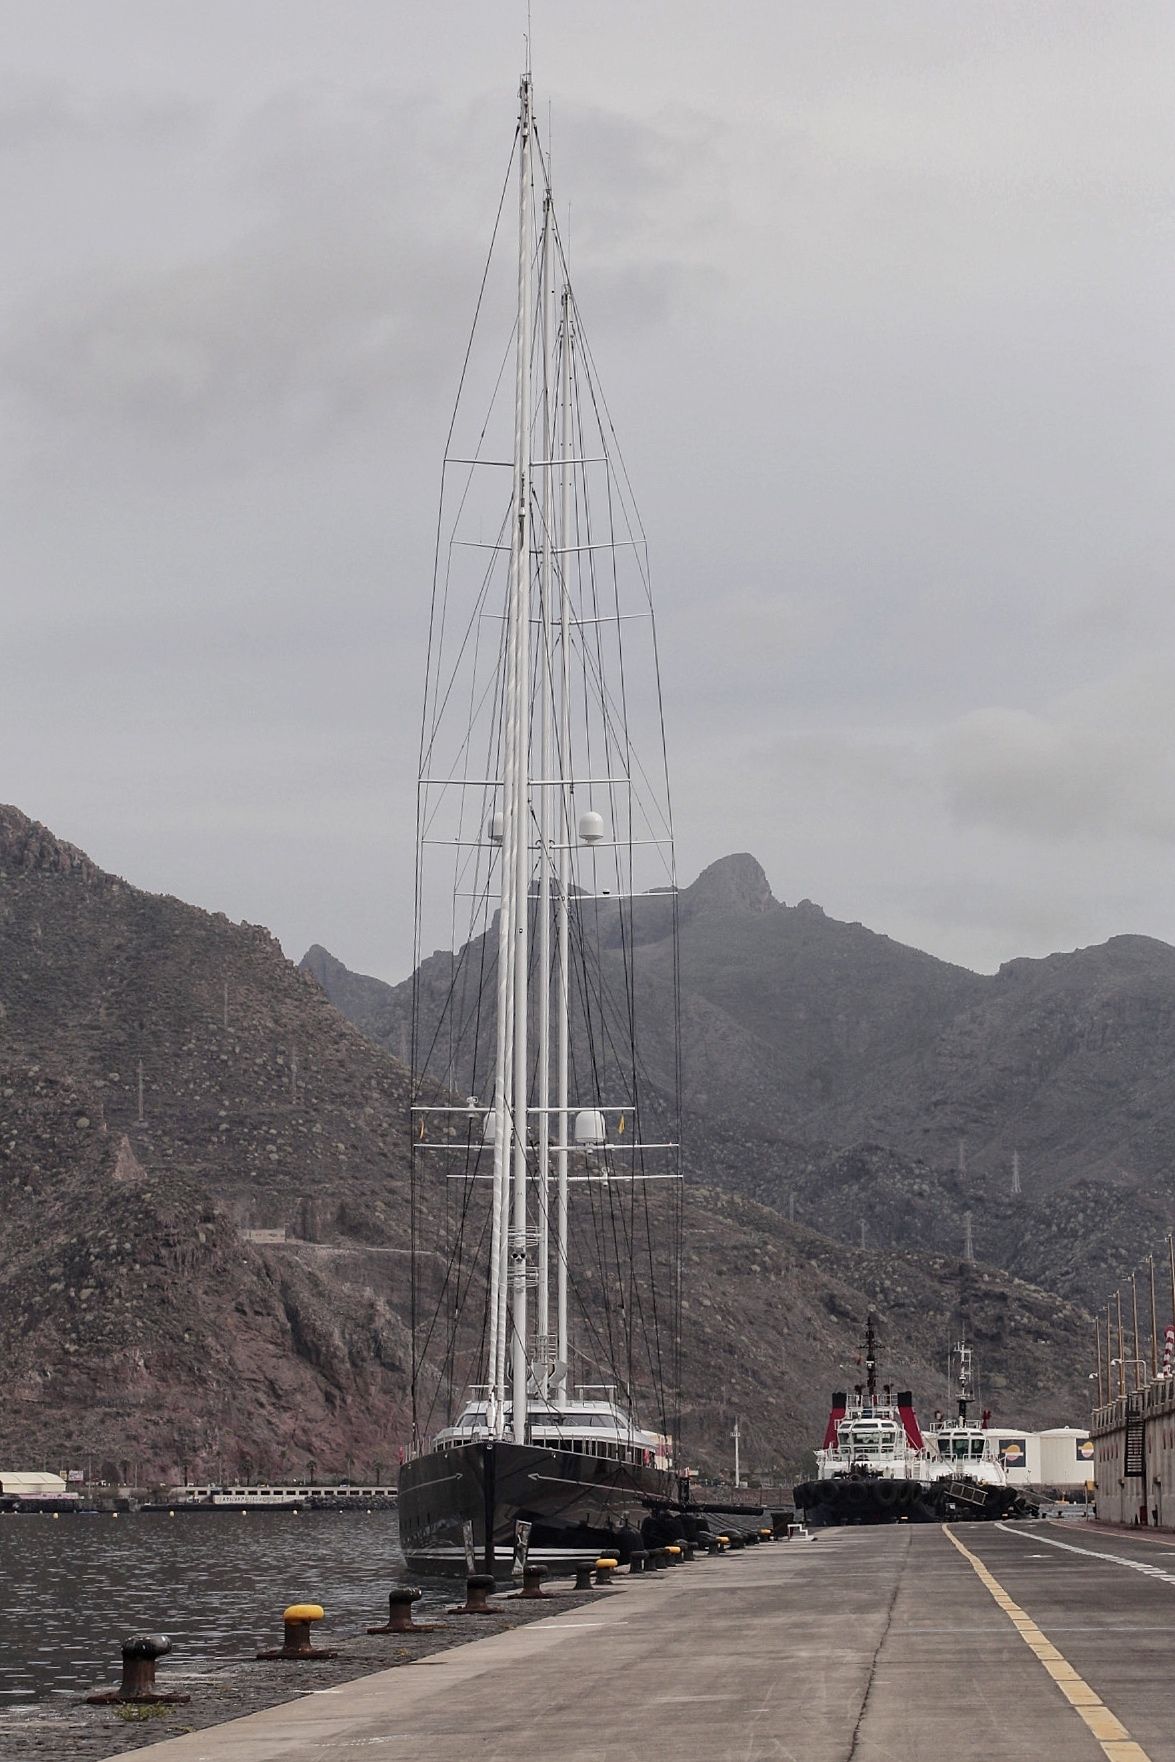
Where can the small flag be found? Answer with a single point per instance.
(620, 1127)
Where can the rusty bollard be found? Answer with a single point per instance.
(296, 1644)
(400, 1620)
(583, 1577)
(605, 1567)
(477, 1588)
(532, 1585)
(139, 1653)
(638, 1560)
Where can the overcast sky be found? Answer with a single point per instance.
(881, 296)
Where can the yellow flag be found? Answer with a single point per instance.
(620, 1127)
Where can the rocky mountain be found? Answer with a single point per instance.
(204, 1221)
(847, 1080)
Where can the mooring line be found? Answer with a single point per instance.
(1105, 1726)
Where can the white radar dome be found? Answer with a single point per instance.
(591, 828)
(589, 1127)
(496, 827)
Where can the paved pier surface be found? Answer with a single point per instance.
(1038, 1640)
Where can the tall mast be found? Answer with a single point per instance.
(543, 1317)
(563, 891)
(518, 736)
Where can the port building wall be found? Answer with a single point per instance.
(1134, 1456)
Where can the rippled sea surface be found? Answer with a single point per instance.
(72, 1587)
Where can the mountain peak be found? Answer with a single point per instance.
(735, 883)
(28, 847)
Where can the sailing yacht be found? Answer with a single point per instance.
(546, 1159)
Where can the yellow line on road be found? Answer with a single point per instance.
(1105, 1726)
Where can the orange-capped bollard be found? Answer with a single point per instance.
(296, 1644)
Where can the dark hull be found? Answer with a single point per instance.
(974, 1501)
(576, 1505)
(846, 1500)
(16, 1507)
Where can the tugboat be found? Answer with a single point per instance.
(970, 1479)
(873, 1466)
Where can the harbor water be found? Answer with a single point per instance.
(216, 1583)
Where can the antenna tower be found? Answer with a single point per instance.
(968, 1243)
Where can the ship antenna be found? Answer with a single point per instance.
(870, 1359)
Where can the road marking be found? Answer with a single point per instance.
(1105, 1726)
(1096, 1554)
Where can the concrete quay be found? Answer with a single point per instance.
(862, 1646)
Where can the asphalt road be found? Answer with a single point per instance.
(868, 1645)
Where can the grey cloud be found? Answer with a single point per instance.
(339, 289)
(880, 297)
(1099, 763)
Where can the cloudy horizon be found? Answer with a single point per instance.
(881, 304)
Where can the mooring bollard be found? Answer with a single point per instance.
(139, 1653)
(478, 1587)
(583, 1577)
(400, 1620)
(297, 1619)
(688, 1550)
(672, 1554)
(738, 1540)
(605, 1567)
(766, 1535)
(723, 1542)
(532, 1585)
(638, 1560)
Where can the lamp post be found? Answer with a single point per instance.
(1135, 1364)
(1097, 1337)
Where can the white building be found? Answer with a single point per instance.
(1061, 1457)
